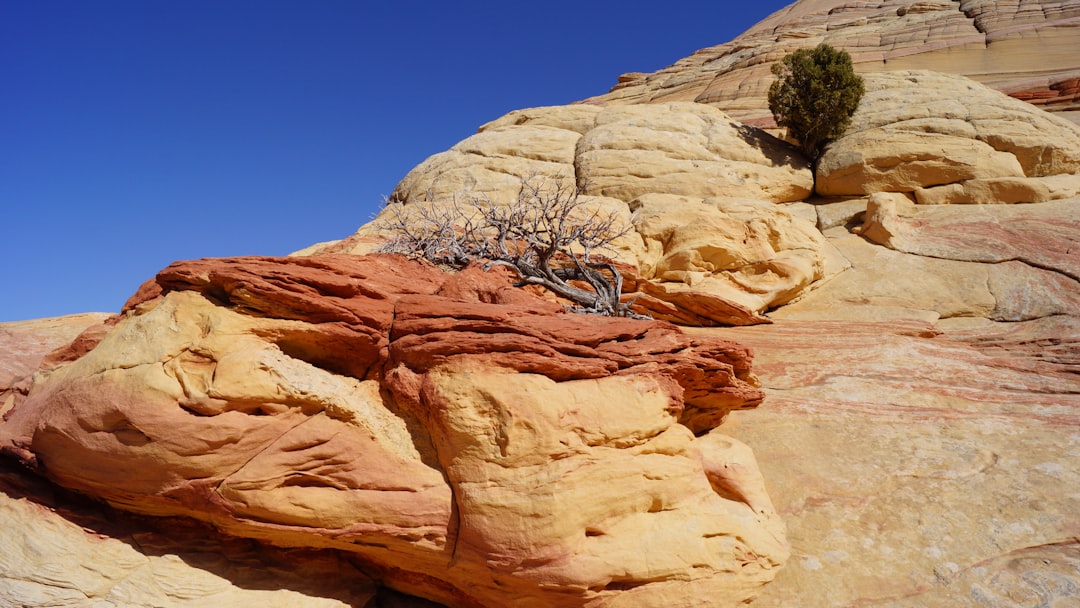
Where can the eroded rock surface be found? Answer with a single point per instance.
(945, 460)
(483, 452)
(1025, 49)
(27, 345)
(63, 550)
(686, 163)
(465, 441)
(917, 131)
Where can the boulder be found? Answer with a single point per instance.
(916, 130)
(453, 434)
(624, 160)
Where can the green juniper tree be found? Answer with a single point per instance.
(814, 96)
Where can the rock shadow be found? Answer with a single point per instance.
(244, 563)
(778, 151)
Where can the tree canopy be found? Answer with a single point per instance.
(815, 94)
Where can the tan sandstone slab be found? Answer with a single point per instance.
(63, 551)
(920, 468)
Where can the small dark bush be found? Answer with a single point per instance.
(815, 95)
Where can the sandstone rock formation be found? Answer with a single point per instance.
(26, 344)
(945, 460)
(1009, 258)
(60, 550)
(950, 140)
(1026, 49)
(931, 369)
(460, 450)
(466, 441)
(691, 178)
(706, 258)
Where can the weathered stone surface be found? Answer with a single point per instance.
(686, 149)
(1026, 49)
(467, 442)
(463, 450)
(1002, 190)
(28, 345)
(863, 163)
(62, 551)
(713, 377)
(915, 130)
(620, 152)
(926, 353)
(626, 159)
(943, 138)
(945, 460)
(755, 254)
(491, 164)
(886, 284)
(1044, 235)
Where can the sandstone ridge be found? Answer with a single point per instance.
(1025, 49)
(715, 242)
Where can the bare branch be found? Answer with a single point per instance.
(546, 225)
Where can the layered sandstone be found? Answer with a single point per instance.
(468, 442)
(957, 201)
(931, 370)
(945, 460)
(27, 344)
(451, 433)
(950, 140)
(1026, 49)
(63, 550)
(709, 243)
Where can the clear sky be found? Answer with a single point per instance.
(135, 133)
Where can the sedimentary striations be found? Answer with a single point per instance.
(912, 304)
(906, 177)
(711, 244)
(930, 370)
(1026, 49)
(460, 449)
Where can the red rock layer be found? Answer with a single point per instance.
(280, 399)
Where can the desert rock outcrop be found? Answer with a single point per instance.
(1025, 49)
(931, 365)
(461, 450)
(945, 464)
(671, 170)
(914, 310)
(950, 140)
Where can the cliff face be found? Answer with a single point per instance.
(1026, 49)
(903, 364)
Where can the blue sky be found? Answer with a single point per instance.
(136, 133)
